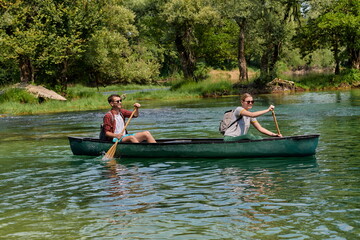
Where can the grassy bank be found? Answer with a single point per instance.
(326, 81)
(80, 98)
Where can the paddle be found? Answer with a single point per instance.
(276, 124)
(111, 152)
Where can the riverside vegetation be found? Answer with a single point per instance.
(57, 44)
(114, 46)
(15, 101)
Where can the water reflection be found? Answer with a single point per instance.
(249, 193)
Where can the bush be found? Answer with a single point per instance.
(201, 71)
(17, 95)
(350, 76)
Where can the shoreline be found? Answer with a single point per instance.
(76, 107)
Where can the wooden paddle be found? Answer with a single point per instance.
(276, 124)
(111, 152)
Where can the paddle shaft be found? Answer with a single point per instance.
(276, 124)
(111, 152)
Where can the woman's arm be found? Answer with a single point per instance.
(244, 112)
(264, 130)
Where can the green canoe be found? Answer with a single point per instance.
(304, 145)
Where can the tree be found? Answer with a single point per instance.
(45, 37)
(20, 35)
(336, 26)
(68, 25)
(243, 14)
(275, 29)
(183, 16)
(113, 56)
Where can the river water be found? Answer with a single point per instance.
(48, 193)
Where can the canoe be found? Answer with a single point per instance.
(304, 145)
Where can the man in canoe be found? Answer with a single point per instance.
(243, 118)
(114, 123)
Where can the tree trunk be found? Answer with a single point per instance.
(274, 58)
(63, 80)
(355, 58)
(241, 50)
(265, 64)
(182, 42)
(337, 58)
(26, 70)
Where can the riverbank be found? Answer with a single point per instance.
(219, 83)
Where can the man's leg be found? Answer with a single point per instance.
(145, 136)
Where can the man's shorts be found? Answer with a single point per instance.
(126, 135)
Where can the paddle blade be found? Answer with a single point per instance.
(110, 153)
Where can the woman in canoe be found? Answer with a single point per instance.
(244, 118)
(114, 123)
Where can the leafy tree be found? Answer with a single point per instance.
(336, 26)
(243, 15)
(20, 35)
(68, 25)
(217, 45)
(45, 37)
(275, 27)
(183, 16)
(113, 56)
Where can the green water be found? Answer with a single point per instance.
(47, 193)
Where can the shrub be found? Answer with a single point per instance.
(350, 76)
(17, 95)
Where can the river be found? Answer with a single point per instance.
(48, 193)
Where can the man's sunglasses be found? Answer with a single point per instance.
(118, 101)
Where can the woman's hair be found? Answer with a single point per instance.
(110, 98)
(244, 96)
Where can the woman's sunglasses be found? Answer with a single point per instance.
(248, 102)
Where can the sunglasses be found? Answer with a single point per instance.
(248, 102)
(118, 101)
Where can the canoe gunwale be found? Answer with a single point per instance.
(177, 141)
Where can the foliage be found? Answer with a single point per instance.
(349, 76)
(204, 88)
(337, 27)
(217, 45)
(322, 81)
(314, 81)
(16, 95)
(98, 43)
(183, 18)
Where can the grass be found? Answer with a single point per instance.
(327, 81)
(81, 98)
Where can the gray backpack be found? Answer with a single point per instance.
(227, 122)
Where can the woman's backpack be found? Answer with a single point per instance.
(227, 122)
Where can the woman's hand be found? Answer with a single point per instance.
(271, 108)
(137, 105)
(277, 135)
